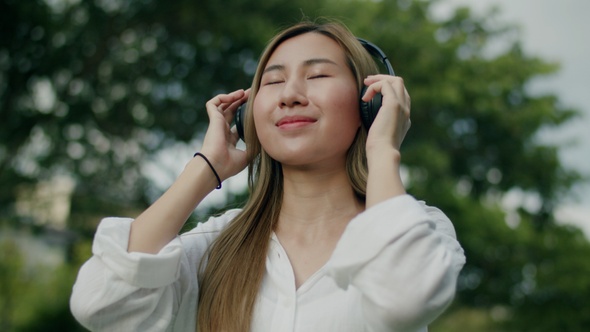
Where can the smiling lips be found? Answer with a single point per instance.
(292, 122)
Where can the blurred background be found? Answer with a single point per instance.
(102, 104)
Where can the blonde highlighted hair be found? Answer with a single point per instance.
(235, 266)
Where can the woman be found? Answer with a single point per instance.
(328, 241)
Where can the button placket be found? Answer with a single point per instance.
(284, 280)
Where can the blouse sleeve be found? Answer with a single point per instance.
(404, 258)
(120, 291)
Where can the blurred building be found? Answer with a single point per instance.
(45, 208)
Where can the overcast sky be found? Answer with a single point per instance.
(555, 31)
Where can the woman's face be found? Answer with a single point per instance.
(307, 108)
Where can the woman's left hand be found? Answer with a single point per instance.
(393, 119)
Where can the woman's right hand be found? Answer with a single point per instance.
(161, 222)
(219, 145)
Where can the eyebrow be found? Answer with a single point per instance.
(306, 63)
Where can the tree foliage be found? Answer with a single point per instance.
(94, 89)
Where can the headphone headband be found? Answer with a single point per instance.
(375, 51)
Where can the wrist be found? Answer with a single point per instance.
(384, 180)
(202, 156)
(383, 155)
(198, 173)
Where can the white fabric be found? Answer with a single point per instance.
(394, 269)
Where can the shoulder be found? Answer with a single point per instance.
(402, 213)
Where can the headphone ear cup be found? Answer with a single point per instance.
(369, 109)
(239, 119)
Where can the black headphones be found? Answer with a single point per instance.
(368, 109)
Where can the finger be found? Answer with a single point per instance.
(375, 84)
(223, 102)
(225, 99)
(391, 96)
(389, 90)
(408, 100)
(230, 111)
(375, 78)
(401, 94)
(234, 136)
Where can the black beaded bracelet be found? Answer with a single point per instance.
(211, 166)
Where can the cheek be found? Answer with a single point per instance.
(347, 107)
(259, 117)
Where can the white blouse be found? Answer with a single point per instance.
(394, 269)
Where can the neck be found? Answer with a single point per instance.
(316, 201)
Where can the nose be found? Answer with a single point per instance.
(294, 93)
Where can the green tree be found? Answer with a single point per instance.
(11, 270)
(123, 79)
(126, 79)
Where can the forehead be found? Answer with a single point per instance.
(307, 46)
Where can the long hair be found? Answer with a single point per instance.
(235, 266)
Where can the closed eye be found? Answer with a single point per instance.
(273, 82)
(318, 76)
